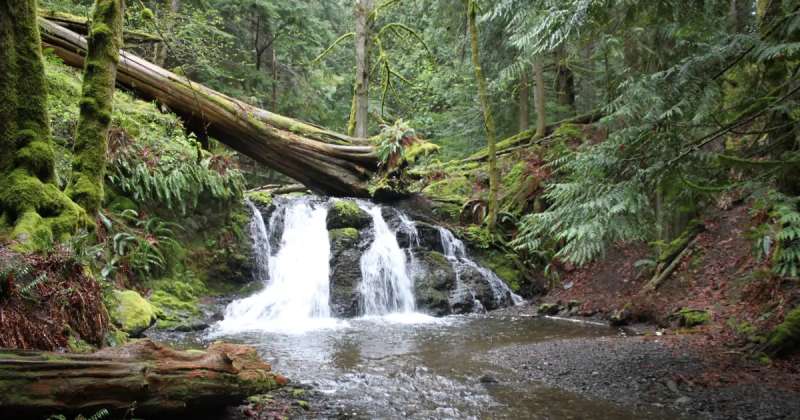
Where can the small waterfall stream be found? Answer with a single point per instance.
(296, 292)
(386, 286)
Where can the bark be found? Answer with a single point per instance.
(31, 205)
(524, 96)
(323, 160)
(154, 380)
(565, 79)
(541, 121)
(160, 53)
(487, 115)
(96, 105)
(361, 102)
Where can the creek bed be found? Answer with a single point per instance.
(420, 367)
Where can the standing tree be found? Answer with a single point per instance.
(100, 73)
(359, 121)
(541, 122)
(487, 113)
(33, 211)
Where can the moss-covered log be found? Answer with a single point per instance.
(33, 211)
(321, 159)
(147, 378)
(96, 105)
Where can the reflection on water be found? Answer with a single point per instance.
(380, 368)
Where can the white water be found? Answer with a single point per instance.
(261, 248)
(296, 295)
(456, 253)
(386, 285)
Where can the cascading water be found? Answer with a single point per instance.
(386, 286)
(261, 247)
(456, 253)
(296, 293)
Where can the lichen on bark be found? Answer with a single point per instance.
(96, 105)
(35, 211)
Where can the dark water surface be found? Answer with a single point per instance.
(377, 368)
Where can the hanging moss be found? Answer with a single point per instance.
(96, 105)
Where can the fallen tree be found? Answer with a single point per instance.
(323, 160)
(141, 378)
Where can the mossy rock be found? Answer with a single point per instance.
(452, 189)
(347, 214)
(505, 266)
(260, 198)
(343, 236)
(548, 308)
(688, 317)
(785, 338)
(132, 313)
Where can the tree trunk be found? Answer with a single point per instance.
(487, 114)
(524, 95)
(31, 205)
(151, 379)
(541, 122)
(160, 54)
(363, 11)
(96, 105)
(565, 80)
(323, 160)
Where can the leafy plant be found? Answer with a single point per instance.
(779, 237)
(392, 143)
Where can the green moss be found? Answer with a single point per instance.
(457, 188)
(76, 345)
(419, 149)
(785, 338)
(260, 198)
(132, 313)
(346, 208)
(693, 317)
(437, 258)
(176, 298)
(344, 234)
(505, 266)
(571, 131)
(115, 337)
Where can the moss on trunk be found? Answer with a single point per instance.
(35, 210)
(96, 105)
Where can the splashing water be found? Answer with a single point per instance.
(296, 295)
(386, 286)
(261, 247)
(456, 253)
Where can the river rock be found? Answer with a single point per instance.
(346, 213)
(345, 274)
(433, 278)
(132, 314)
(481, 288)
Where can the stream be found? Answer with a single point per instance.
(393, 360)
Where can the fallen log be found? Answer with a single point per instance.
(143, 378)
(323, 160)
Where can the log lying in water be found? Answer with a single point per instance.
(152, 379)
(321, 159)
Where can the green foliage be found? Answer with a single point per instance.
(392, 143)
(779, 238)
(140, 244)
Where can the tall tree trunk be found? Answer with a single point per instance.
(96, 105)
(538, 97)
(487, 114)
(171, 9)
(321, 159)
(31, 204)
(274, 80)
(524, 96)
(565, 79)
(361, 105)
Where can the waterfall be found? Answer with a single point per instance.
(386, 286)
(296, 292)
(261, 247)
(456, 253)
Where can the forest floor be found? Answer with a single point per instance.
(713, 369)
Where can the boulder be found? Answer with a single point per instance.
(482, 289)
(345, 275)
(132, 313)
(433, 278)
(346, 213)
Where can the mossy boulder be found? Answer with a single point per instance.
(260, 198)
(346, 213)
(343, 236)
(505, 266)
(345, 274)
(432, 282)
(688, 317)
(785, 338)
(548, 308)
(176, 300)
(132, 313)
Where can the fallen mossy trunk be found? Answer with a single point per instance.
(323, 160)
(143, 378)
